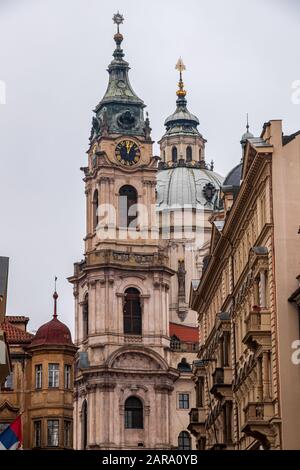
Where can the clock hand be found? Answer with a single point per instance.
(128, 146)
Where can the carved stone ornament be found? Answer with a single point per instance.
(209, 191)
(126, 120)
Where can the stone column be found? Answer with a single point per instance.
(221, 347)
(266, 375)
(259, 379)
(100, 310)
(262, 289)
(92, 307)
(92, 413)
(226, 349)
(88, 211)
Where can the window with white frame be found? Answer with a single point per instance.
(38, 376)
(53, 433)
(67, 376)
(53, 375)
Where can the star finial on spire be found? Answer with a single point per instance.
(180, 67)
(118, 19)
(55, 297)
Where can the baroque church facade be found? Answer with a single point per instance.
(136, 335)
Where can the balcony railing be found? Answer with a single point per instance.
(259, 411)
(222, 382)
(258, 326)
(184, 347)
(197, 422)
(197, 415)
(218, 376)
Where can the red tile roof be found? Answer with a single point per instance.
(53, 332)
(14, 334)
(186, 334)
(17, 319)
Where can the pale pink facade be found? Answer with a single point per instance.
(129, 390)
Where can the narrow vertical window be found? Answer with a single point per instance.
(127, 206)
(85, 317)
(67, 376)
(38, 376)
(53, 433)
(37, 433)
(67, 434)
(189, 154)
(132, 312)
(95, 209)
(174, 154)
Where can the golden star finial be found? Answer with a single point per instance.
(180, 67)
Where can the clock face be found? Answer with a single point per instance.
(128, 153)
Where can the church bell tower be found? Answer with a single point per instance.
(123, 379)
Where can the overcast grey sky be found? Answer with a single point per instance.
(241, 56)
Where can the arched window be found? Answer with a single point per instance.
(133, 413)
(95, 209)
(174, 154)
(189, 154)
(127, 199)
(132, 312)
(85, 317)
(200, 155)
(84, 425)
(184, 441)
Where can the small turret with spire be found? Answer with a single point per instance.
(181, 118)
(247, 135)
(55, 297)
(182, 142)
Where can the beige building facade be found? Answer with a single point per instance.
(246, 374)
(40, 384)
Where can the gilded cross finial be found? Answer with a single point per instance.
(180, 67)
(118, 19)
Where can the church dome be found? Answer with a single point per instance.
(233, 179)
(188, 186)
(53, 332)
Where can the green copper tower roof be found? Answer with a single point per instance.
(120, 111)
(181, 121)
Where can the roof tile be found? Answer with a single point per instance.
(186, 334)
